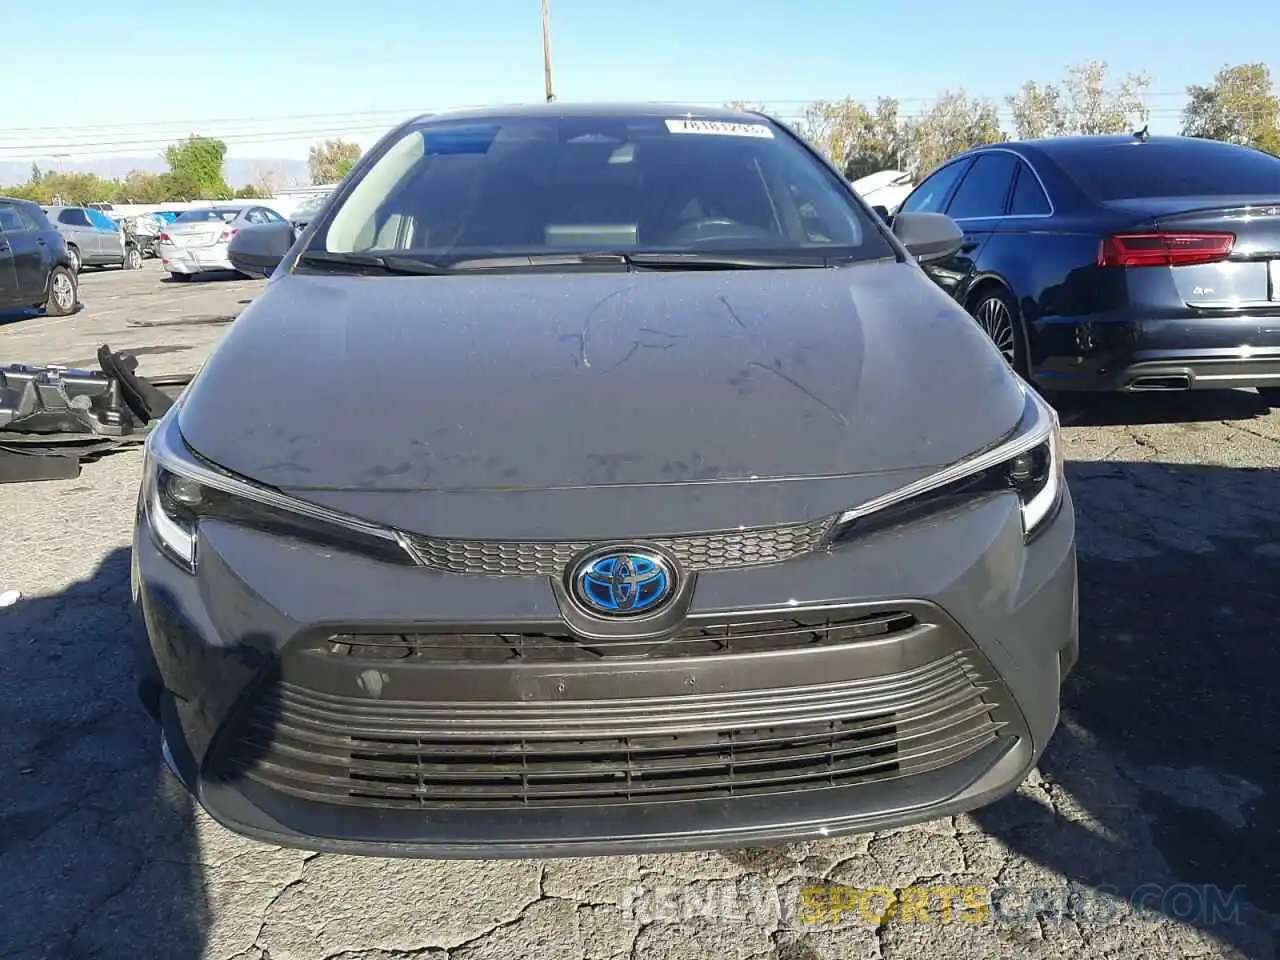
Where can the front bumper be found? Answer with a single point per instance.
(334, 703)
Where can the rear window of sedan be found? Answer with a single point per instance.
(207, 216)
(533, 185)
(1188, 168)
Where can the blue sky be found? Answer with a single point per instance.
(271, 76)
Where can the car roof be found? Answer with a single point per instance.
(1053, 148)
(590, 109)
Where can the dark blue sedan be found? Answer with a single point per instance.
(1118, 262)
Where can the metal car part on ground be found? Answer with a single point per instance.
(53, 417)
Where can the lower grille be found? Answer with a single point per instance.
(511, 755)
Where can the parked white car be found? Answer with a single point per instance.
(197, 240)
(886, 188)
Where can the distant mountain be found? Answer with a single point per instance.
(240, 171)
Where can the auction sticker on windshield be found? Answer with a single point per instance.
(721, 128)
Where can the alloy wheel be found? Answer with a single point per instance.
(64, 294)
(997, 323)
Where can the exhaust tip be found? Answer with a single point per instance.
(1179, 381)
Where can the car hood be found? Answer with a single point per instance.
(340, 387)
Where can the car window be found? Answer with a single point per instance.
(256, 215)
(100, 220)
(272, 216)
(983, 191)
(1028, 199)
(931, 194)
(516, 186)
(1182, 167)
(309, 207)
(207, 215)
(10, 220)
(74, 217)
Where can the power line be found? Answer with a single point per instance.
(275, 119)
(147, 124)
(330, 129)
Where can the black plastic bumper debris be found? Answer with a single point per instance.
(52, 418)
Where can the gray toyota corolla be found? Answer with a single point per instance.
(601, 479)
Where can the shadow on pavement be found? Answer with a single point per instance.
(98, 853)
(1156, 407)
(30, 313)
(1180, 652)
(205, 276)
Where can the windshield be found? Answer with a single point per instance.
(207, 216)
(309, 206)
(1188, 168)
(456, 190)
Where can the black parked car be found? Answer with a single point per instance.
(35, 266)
(1118, 262)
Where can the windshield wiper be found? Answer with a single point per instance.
(695, 260)
(536, 260)
(373, 261)
(648, 261)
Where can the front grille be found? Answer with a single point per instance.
(712, 551)
(711, 638)
(513, 755)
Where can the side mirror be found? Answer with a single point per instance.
(928, 236)
(883, 212)
(258, 248)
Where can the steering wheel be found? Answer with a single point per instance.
(712, 229)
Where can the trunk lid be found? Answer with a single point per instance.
(196, 233)
(1250, 278)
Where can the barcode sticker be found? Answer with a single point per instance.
(723, 128)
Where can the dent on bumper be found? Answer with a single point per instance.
(182, 260)
(220, 660)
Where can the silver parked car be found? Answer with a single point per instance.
(93, 238)
(197, 240)
(308, 210)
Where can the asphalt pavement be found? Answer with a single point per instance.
(1152, 828)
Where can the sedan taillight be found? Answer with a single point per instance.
(1157, 249)
(164, 238)
(228, 234)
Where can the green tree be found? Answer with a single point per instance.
(197, 161)
(36, 175)
(1240, 106)
(956, 122)
(182, 185)
(1084, 102)
(143, 187)
(1037, 111)
(72, 188)
(330, 161)
(855, 138)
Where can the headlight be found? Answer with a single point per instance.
(1027, 462)
(179, 491)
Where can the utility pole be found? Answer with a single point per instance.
(546, 46)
